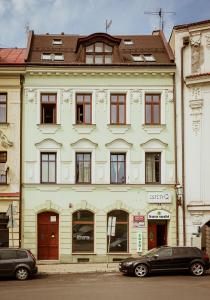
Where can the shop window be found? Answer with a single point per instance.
(4, 231)
(83, 231)
(83, 167)
(3, 167)
(3, 107)
(83, 109)
(119, 242)
(118, 109)
(48, 108)
(48, 167)
(118, 168)
(152, 167)
(99, 53)
(152, 109)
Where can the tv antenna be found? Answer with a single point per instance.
(160, 14)
(108, 24)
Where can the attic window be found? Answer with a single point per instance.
(52, 56)
(128, 42)
(57, 42)
(99, 53)
(137, 57)
(149, 57)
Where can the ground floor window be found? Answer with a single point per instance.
(119, 242)
(83, 231)
(4, 231)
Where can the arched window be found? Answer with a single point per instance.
(83, 231)
(118, 241)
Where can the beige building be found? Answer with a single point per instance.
(98, 146)
(11, 68)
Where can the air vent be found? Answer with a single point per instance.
(128, 42)
(82, 260)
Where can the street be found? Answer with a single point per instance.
(106, 286)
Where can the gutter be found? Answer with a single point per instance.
(185, 44)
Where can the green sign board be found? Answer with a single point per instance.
(139, 241)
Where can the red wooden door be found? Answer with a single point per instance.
(48, 235)
(152, 235)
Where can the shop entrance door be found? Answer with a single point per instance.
(48, 235)
(157, 234)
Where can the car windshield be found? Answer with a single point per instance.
(151, 252)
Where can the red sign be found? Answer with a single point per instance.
(138, 221)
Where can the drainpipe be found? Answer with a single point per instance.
(20, 176)
(175, 154)
(185, 44)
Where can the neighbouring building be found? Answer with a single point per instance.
(11, 68)
(98, 142)
(191, 46)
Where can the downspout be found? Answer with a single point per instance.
(20, 177)
(175, 154)
(185, 44)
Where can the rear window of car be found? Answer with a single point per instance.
(21, 254)
(186, 251)
(7, 254)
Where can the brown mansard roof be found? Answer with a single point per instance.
(73, 48)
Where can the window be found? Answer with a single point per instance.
(21, 254)
(119, 242)
(149, 57)
(48, 108)
(3, 107)
(7, 254)
(46, 56)
(52, 56)
(4, 231)
(57, 42)
(83, 167)
(83, 231)
(3, 167)
(137, 57)
(84, 108)
(48, 167)
(152, 167)
(128, 42)
(118, 168)
(99, 53)
(152, 109)
(165, 252)
(118, 109)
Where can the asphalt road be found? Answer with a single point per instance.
(110, 286)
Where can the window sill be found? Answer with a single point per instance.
(83, 253)
(118, 128)
(4, 124)
(153, 129)
(4, 184)
(84, 128)
(48, 128)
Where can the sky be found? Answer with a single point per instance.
(88, 16)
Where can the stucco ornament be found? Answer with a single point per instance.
(67, 96)
(169, 96)
(5, 143)
(136, 96)
(101, 96)
(208, 41)
(195, 42)
(196, 110)
(31, 95)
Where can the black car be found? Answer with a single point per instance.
(17, 262)
(167, 259)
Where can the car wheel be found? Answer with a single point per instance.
(141, 270)
(197, 269)
(22, 274)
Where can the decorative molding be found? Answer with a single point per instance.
(208, 41)
(84, 143)
(195, 41)
(169, 95)
(48, 128)
(118, 129)
(48, 143)
(31, 95)
(67, 96)
(136, 96)
(84, 128)
(154, 129)
(4, 142)
(196, 112)
(196, 93)
(154, 143)
(119, 143)
(101, 96)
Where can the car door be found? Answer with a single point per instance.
(162, 260)
(182, 257)
(7, 261)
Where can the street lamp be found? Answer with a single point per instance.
(179, 193)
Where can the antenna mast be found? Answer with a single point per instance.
(160, 14)
(108, 24)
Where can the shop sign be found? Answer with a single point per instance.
(159, 214)
(138, 221)
(159, 197)
(111, 226)
(139, 241)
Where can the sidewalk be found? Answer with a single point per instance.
(76, 268)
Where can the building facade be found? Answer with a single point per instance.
(191, 45)
(98, 146)
(11, 68)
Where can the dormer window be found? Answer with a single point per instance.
(128, 42)
(57, 42)
(149, 57)
(53, 56)
(99, 53)
(137, 57)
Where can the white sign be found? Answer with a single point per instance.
(159, 197)
(159, 214)
(52, 218)
(111, 226)
(139, 241)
